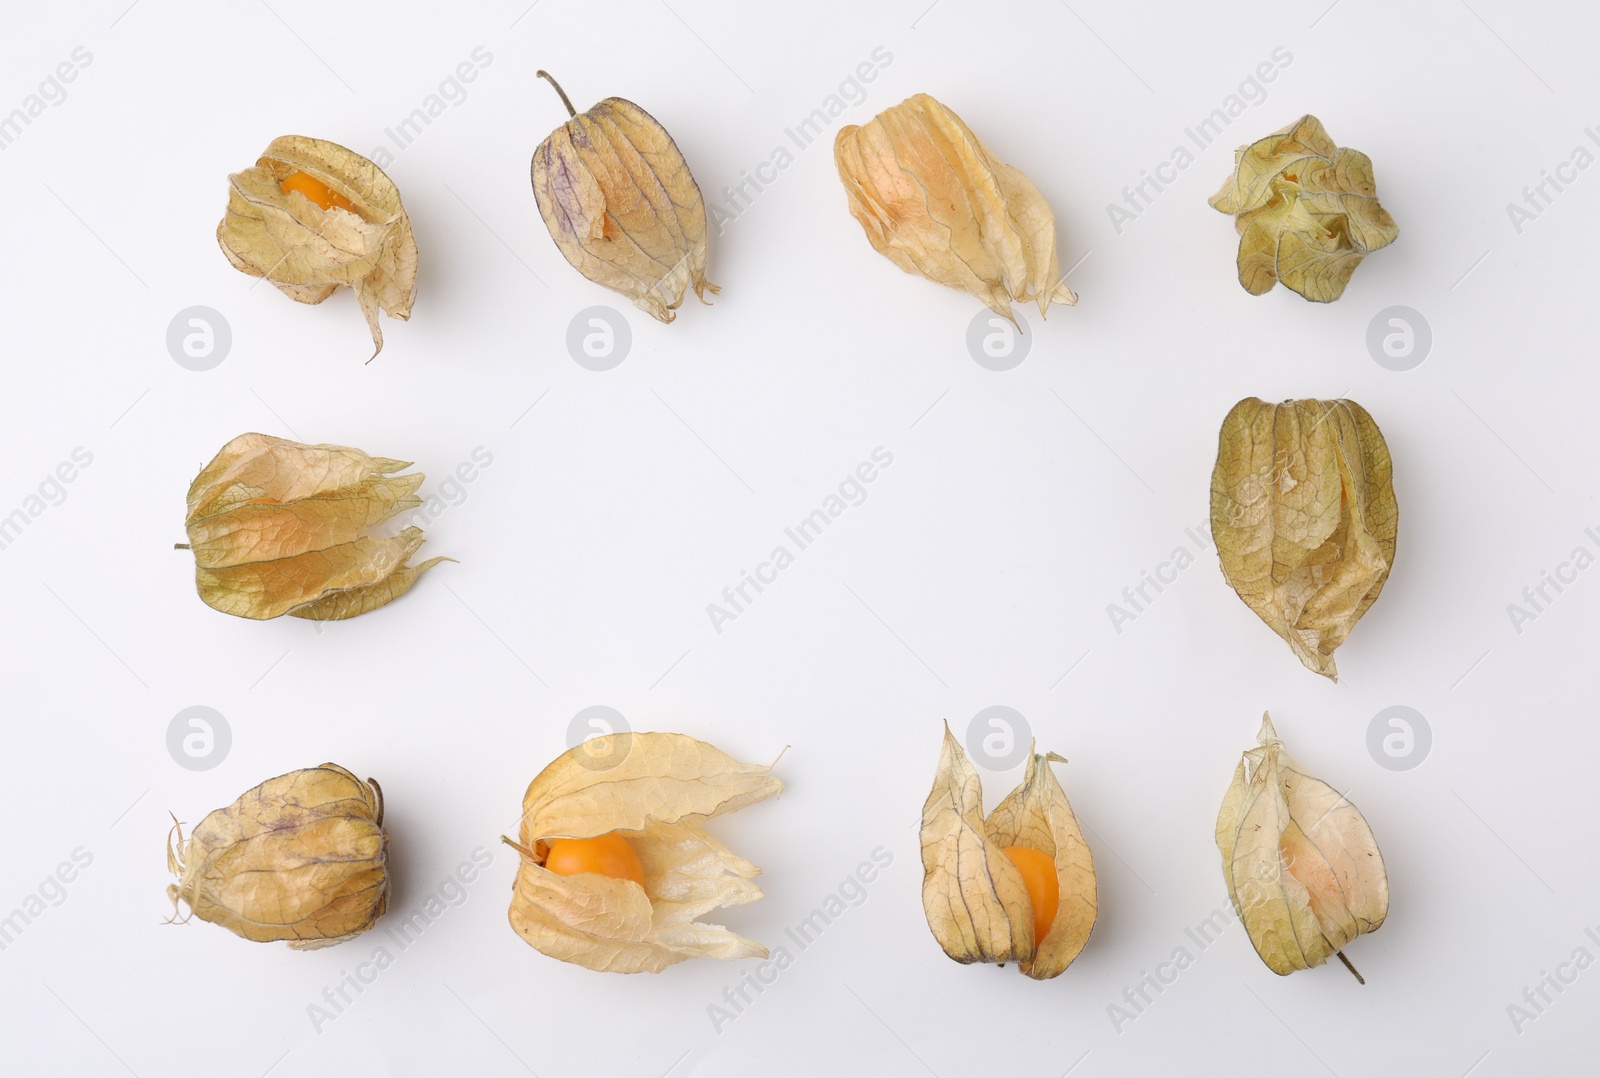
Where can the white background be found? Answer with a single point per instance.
(977, 572)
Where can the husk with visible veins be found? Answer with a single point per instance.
(1038, 815)
(935, 201)
(664, 787)
(278, 527)
(622, 205)
(1303, 869)
(1307, 212)
(307, 252)
(1304, 517)
(973, 895)
(301, 858)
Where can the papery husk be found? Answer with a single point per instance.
(278, 527)
(974, 897)
(301, 858)
(935, 201)
(622, 205)
(1304, 517)
(307, 252)
(1302, 867)
(664, 787)
(1307, 212)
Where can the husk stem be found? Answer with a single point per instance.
(565, 100)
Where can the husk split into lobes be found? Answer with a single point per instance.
(1306, 210)
(278, 527)
(302, 858)
(622, 206)
(935, 201)
(1302, 867)
(664, 787)
(974, 895)
(308, 251)
(1304, 517)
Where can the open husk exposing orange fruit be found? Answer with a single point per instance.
(1017, 886)
(311, 216)
(616, 866)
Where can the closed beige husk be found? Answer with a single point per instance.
(933, 200)
(301, 858)
(278, 527)
(1304, 517)
(1302, 867)
(622, 206)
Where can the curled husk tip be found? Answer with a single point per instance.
(1306, 210)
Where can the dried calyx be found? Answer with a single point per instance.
(1304, 517)
(935, 201)
(616, 868)
(301, 858)
(311, 216)
(278, 527)
(1302, 867)
(1306, 210)
(622, 206)
(1017, 886)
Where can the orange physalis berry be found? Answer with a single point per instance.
(315, 191)
(1044, 886)
(608, 854)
